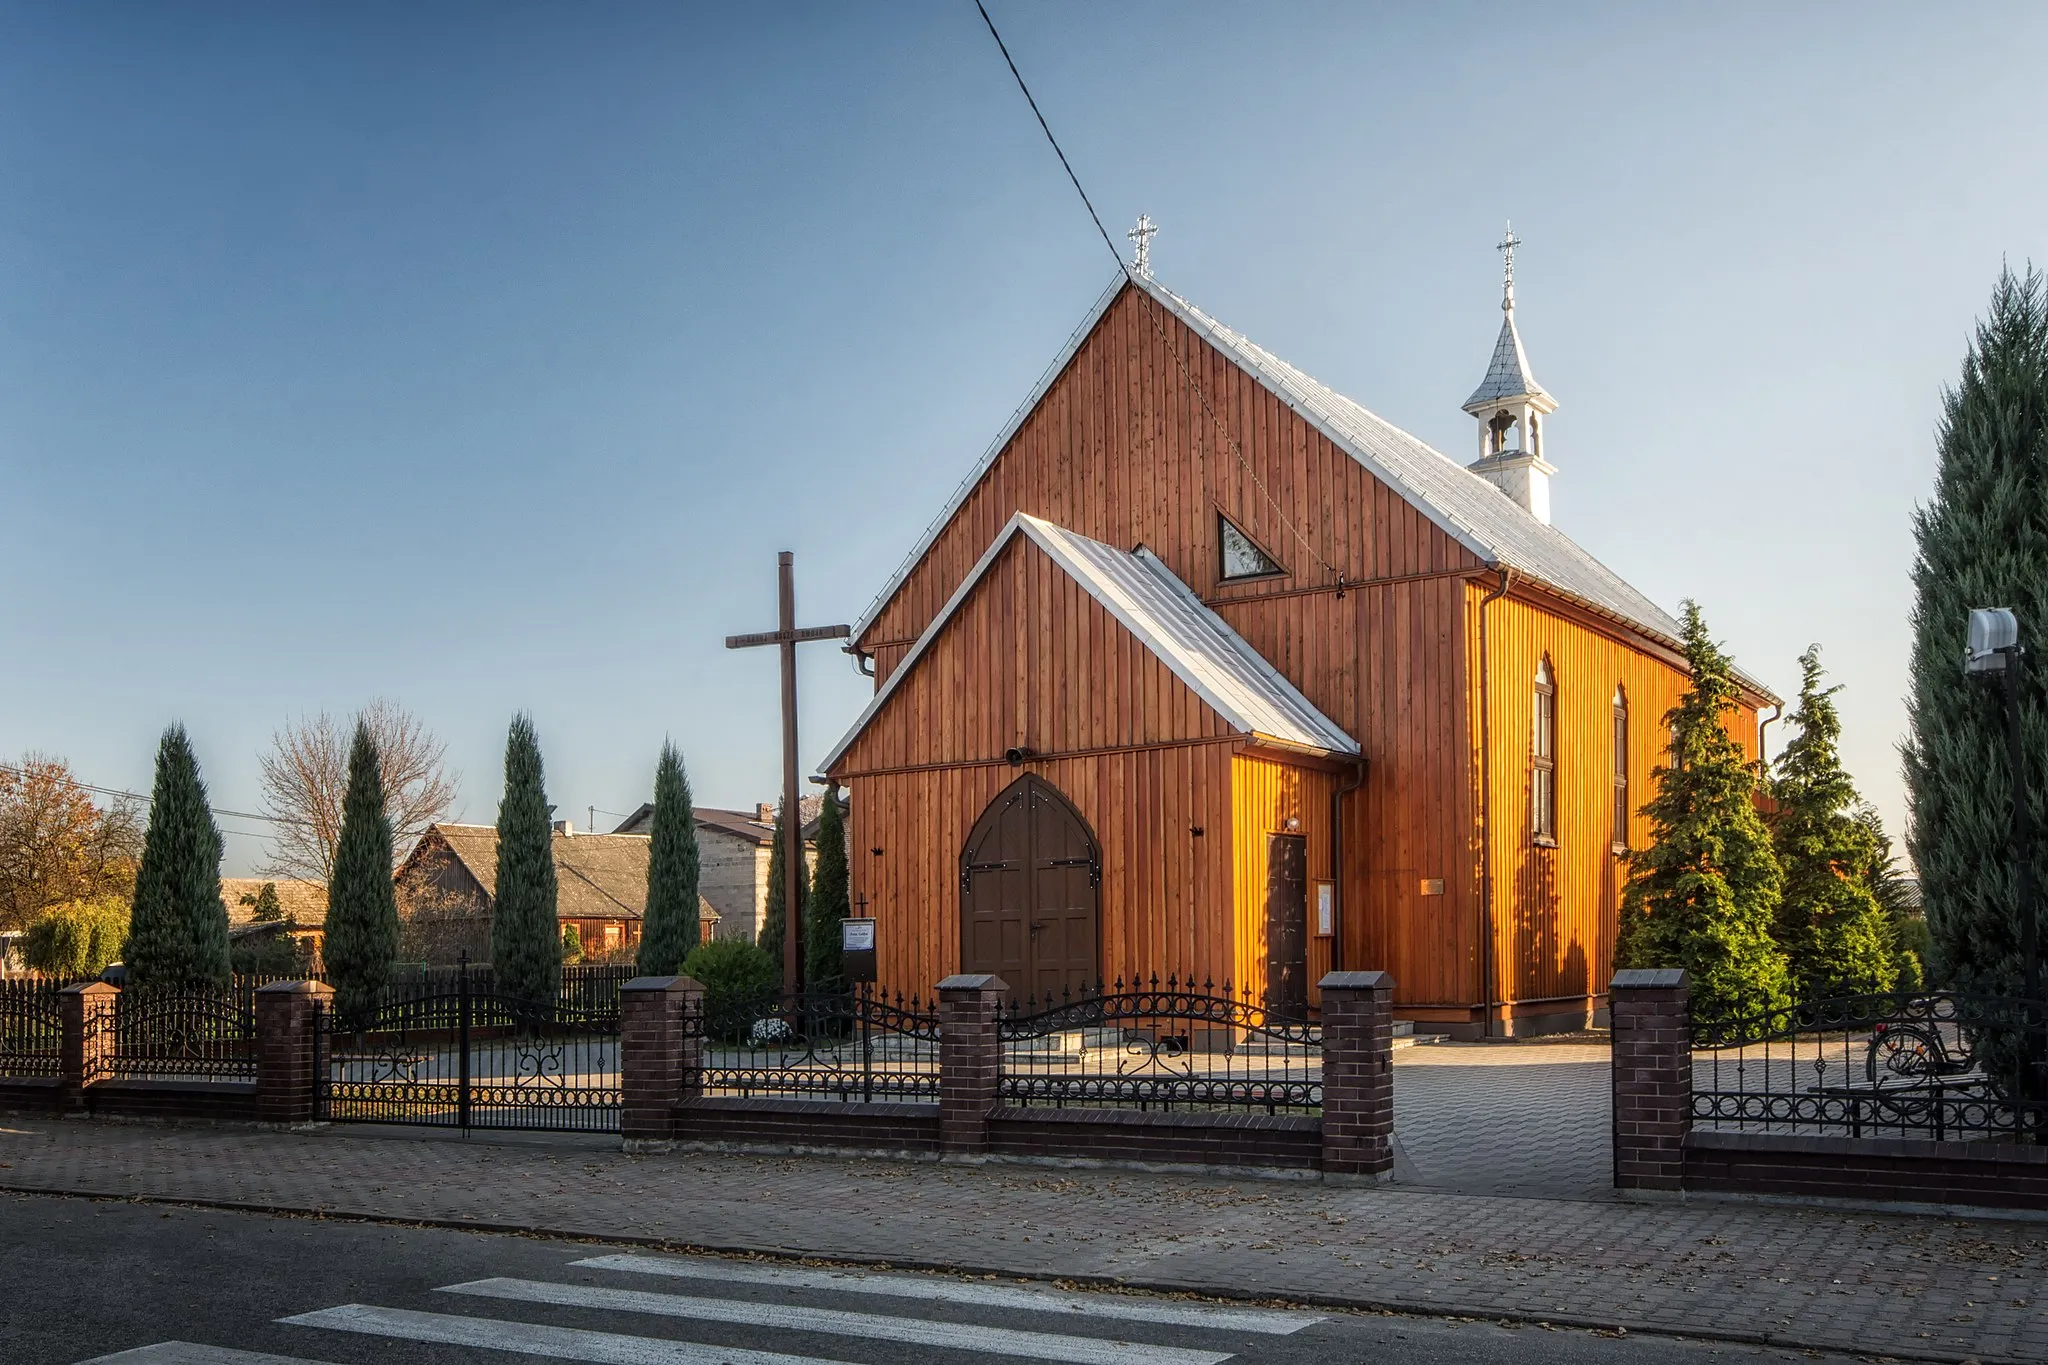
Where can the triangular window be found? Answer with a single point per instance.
(1242, 558)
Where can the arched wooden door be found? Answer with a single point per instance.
(1030, 878)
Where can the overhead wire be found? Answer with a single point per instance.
(147, 801)
(1173, 348)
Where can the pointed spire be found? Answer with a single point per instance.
(1507, 374)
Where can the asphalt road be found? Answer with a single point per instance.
(84, 1279)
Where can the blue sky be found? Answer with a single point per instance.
(483, 356)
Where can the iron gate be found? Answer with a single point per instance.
(469, 1055)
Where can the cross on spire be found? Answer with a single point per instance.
(1506, 247)
(1142, 234)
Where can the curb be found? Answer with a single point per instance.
(1357, 1304)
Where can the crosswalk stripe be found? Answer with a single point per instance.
(533, 1339)
(959, 1336)
(1271, 1321)
(190, 1353)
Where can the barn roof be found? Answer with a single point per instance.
(1472, 511)
(597, 876)
(303, 902)
(1166, 617)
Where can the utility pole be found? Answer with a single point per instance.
(787, 637)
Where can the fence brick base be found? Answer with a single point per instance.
(1652, 1021)
(661, 1056)
(1883, 1170)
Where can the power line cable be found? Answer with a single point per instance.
(1004, 48)
(1173, 348)
(146, 801)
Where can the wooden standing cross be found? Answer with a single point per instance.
(789, 637)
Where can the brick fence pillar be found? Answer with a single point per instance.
(970, 1060)
(288, 1050)
(1358, 1076)
(1651, 1018)
(661, 1050)
(85, 1045)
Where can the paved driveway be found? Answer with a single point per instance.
(1525, 1119)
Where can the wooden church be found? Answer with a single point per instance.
(1209, 671)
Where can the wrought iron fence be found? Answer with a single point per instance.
(471, 1057)
(1938, 1065)
(161, 1033)
(30, 1027)
(1166, 1046)
(848, 1045)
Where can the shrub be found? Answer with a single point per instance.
(268, 955)
(738, 978)
(77, 938)
(572, 946)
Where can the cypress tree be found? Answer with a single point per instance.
(1834, 934)
(526, 938)
(178, 930)
(361, 940)
(1703, 895)
(770, 937)
(1983, 542)
(830, 898)
(671, 930)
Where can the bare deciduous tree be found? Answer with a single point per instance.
(305, 776)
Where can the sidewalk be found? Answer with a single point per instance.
(1882, 1284)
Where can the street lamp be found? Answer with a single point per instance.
(1994, 647)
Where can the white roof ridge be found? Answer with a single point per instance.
(1195, 644)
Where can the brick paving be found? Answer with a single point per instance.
(1491, 1118)
(1878, 1284)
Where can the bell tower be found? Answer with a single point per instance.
(1511, 407)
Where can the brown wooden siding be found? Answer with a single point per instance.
(1030, 660)
(1265, 795)
(1121, 449)
(1556, 907)
(1387, 663)
(1165, 890)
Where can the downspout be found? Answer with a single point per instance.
(863, 662)
(1486, 991)
(1344, 789)
(1763, 757)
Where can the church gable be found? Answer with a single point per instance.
(1121, 447)
(1048, 627)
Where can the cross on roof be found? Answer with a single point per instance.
(1506, 247)
(1142, 234)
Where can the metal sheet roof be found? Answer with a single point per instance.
(1481, 517)
(1478, 515)
(1507, 375)
(1165, 616)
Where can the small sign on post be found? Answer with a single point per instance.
(857, 950)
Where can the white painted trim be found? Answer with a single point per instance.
(789, 1317)
(535, 1339)
(980, 1294)
(190, 1353)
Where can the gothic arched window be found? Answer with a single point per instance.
(1543, 757)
